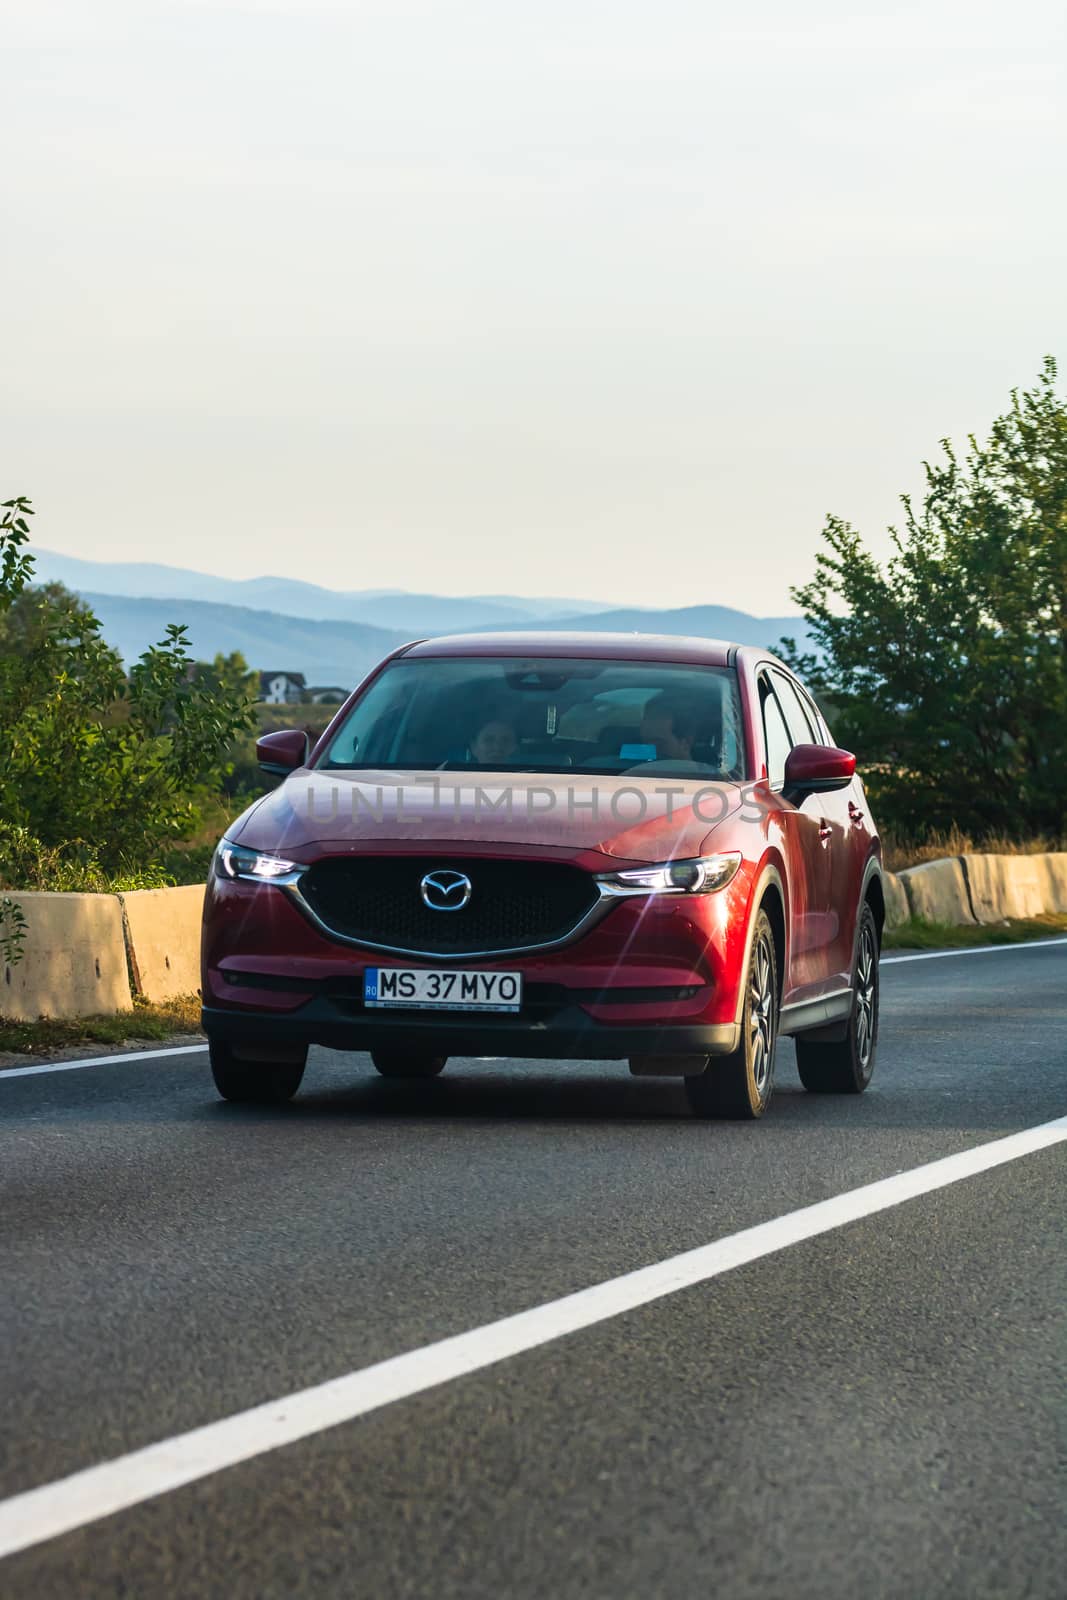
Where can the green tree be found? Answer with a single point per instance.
(100, 765)
(947, 668)
(31, 614)
(230, 674)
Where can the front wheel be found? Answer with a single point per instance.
(397, 1064)
(845, 1066)
(254, 1082)
(740, 1085)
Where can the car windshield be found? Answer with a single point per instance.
(544, 715)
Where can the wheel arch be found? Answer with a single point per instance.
(872, 893)
(768, 895)
(773, 902)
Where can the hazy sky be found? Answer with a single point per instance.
(569, 296)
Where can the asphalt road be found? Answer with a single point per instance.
(877, 1411)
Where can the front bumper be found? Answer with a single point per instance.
(568, 1034)
(652, 977)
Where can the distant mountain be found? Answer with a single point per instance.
(326, 652)
(703, 622)
(380, 608)
(334, 637)
(391, 612)
(332, 652)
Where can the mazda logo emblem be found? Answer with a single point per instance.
(445, 890)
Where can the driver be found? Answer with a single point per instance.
(494, 744)
(671, 726)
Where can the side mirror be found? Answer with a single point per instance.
(283, 751)
(817, 769)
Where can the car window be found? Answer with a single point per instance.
(819, 721)
(775, 735)
(802, 729)
(548, 714)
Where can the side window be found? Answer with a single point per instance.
(775, 736)
(802, 728)
(825, 736)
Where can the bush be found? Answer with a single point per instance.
(73, 867)
(103, 769)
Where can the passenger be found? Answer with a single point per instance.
(494, 744)
(671, 726)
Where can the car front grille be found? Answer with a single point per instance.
(513, 905)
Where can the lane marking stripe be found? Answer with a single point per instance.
(57, 1508)
(973, 950)
(189, 1049)
(99, 1061)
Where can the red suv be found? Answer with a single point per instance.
(554, 845)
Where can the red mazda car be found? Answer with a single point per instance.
(555, 845)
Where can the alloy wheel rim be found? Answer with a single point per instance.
(761, 1015)
(866, 979)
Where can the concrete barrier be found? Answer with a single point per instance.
(73, 962)
(1005, 886)
(937, 892)
(896, 900)
(1052, 871)
(162, 928)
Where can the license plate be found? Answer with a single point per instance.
(443, 989)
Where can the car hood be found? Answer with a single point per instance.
(630, 818)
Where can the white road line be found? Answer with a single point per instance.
(101, 1491)
(974, 950)
(99, 1061)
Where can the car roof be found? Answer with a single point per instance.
(601, 646)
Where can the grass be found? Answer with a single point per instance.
(915, 935)
(143, 1022)
(899, 852)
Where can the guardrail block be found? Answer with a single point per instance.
(937, 892)
(896, 900)
(73, 962)
(1005, 886)
(1052, 873)
(163, 940)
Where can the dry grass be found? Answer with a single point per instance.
(143, 1022)
(899, 852)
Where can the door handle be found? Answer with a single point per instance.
(854, 813)
(826, 833)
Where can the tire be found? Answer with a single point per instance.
(396, 1064)
(740, 1085)
(845, 1066)
(264, 1083)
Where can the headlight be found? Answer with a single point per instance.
(235, 861)
(697, 875)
